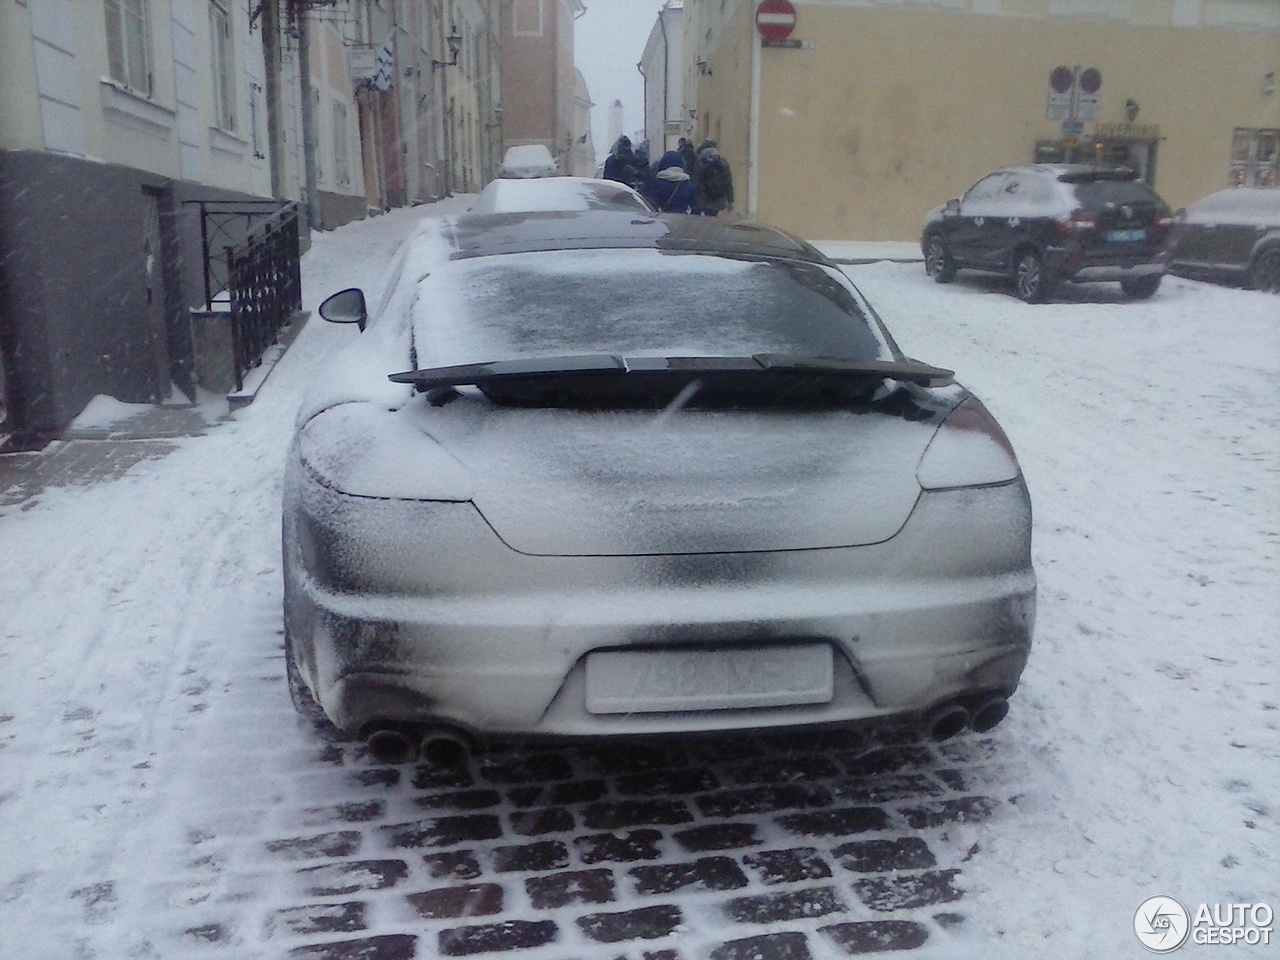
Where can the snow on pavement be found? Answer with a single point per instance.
(144, 731)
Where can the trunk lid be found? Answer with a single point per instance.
(557, 482)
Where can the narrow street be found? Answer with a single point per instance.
(159, 798)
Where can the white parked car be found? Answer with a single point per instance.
(549, 194)
(594, 474)
(528, 160)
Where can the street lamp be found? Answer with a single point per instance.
(454, 40)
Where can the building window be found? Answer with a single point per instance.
(224, 75)
(128, 44)
(341, 158)
(1255, 157)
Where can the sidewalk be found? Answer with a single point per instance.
(84, 457)
(91, 454)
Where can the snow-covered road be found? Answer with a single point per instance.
(148, 752)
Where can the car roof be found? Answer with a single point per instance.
(1071, 171)
(481, 236)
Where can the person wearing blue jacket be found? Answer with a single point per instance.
(671, 189)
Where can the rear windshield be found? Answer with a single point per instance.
(638, 303)
(1093, 194)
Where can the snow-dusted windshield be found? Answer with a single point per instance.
(635, 303)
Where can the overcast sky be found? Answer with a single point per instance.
(608, 42)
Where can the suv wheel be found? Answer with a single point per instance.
(1142, 288)
(1030, 277)
(1264, 274)
(937, 260)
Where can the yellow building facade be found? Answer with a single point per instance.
(873, 111)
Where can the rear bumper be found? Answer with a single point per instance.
(1087, 268)
(496, 644)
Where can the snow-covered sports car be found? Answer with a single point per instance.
(600, 474)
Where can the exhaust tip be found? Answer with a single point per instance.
(444, 748)
(946, 721)
(990, 713)
(391, 746)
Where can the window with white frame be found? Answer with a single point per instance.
(341, 158)
(1255, 157)
(129, 44)
(224, 74)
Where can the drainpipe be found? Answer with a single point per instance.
(308, 120)
(753, 133)
(666, 76)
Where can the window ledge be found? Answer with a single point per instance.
(130, 109)
(227, 143)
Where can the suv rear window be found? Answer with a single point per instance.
(1094, 194)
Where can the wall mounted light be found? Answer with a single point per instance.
(1268, 84)
(1131, 109)
(454, 40)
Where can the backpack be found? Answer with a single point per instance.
(715, 182)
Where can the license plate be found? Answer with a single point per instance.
(657, 681)
(1126, 236)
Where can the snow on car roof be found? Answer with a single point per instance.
(1257, 206)
(549, 194)
(477, 236)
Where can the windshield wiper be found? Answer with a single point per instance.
(610, 366)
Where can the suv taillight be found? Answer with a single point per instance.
(1070, 225)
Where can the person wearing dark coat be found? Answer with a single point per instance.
(620, 164)
(671, 190)
(713, 180)
(688, 155)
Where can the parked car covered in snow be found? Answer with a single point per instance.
(547, 194)
(526, 160)
(1230, 235)
(593, 474)
(1051, 222)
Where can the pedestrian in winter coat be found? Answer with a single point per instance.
(713, 180)
(671, 189)
(688, 155)
(620, 164)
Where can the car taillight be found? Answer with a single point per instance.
(969, 450)
(1163, 221)
(1071, 225)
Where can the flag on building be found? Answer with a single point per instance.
(384, 72)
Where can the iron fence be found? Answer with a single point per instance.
(257, 270)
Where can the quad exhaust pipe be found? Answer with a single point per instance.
(949, 719)
(401, 743)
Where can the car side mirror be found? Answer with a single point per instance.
(1180, 215)
(346, 306)
(953, 206)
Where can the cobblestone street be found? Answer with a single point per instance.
(745, 848)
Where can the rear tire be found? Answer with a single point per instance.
(1030, 278)
(1142, 288)
(937, 260)
(1264, 273)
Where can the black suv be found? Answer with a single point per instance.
(1050, 222)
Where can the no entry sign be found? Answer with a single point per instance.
(775, 19)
